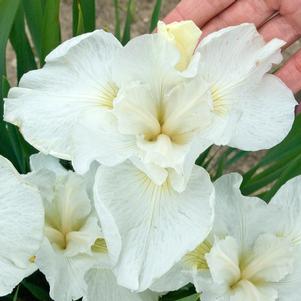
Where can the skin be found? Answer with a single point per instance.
(273, 18)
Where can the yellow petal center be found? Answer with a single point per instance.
(196, 258)
(185, 36)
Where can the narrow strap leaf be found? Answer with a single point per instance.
(155, 15)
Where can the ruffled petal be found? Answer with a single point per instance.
(271, 260)
(238, 215)
(150, 59)
(96, 138)
(251, 110)
(264, 115)
(290, 288)
(231, 55)
(223, 261)
(102, 285)
(40, 161)
(177, 277)
(76, 76)
(157, 225)
(288, 201)
(21, 227)
(65, 275)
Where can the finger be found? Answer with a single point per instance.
(199, 11)
(298, 109)
(290, 73)
(242, 11)
(279, 27)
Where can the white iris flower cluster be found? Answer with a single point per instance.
(138, 218)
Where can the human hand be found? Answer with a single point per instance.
(273, 18)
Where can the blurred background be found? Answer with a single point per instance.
(137, 14)
(105, 12)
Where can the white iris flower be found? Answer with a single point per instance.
(73, 256)
(97, 100)
(71, 228)
(21, 227)
(251, 109)
(253, 252)
(154, 225)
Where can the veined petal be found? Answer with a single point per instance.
(179, 177)
(290, 287)
(203, 283)
(70, 213)
(21, 227)
(65, 275)
(156, 224)
(89, 178)
(156, 173)
(44, 180)
(220, 52)
(137, 111)
(44, 172)
(163, 152)
(264, 115)
(187, 110)
(246, 263)
(238, 215)
(62, 50)
(46, 169)
(40, 161)
(150, 59)
(73, 240)
(80, 242)
(76, 76)
(223, 261)
(288, 201)
(243, 97)
(271, 260)
(96, 137)
(165, 129)
(247, 291)
(102, 285)
(174, 279)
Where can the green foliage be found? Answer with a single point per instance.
(38, 292)
(14, 147)
(117, 19)
(83, 16)
(15, 297)
(194, 297)
(225, 160)
(131, 7)
(200, 161)
(187, 293)
(20, 43)
(77, 18)
(51, 31)
(280, 164)
(155, 15)
(8, 10)
(34, 19)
